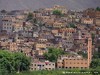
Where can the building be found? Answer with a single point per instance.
(13, 47)
(18, 24)
(97, 14)
(58, 25)
(76, 61)
(7, 24)
(40, 46)
(42, 65)
(87, 20)
(97, 21)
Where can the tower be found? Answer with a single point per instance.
(89, 51)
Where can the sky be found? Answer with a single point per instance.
(36, 4)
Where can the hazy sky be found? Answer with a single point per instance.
(35, 4)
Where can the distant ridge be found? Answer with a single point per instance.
(36, 4)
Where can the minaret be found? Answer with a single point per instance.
(89, 51)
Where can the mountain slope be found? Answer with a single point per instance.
(35, 4)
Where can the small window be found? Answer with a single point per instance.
(52, 64)
(81, 67)
(59, 67)
(70, 67)
(78, 63)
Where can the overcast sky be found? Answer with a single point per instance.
(35, 4)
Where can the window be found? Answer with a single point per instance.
(78, 63)
(73, 67)
(81, 67)
(70, 67)
(85, 67)
(34, 64)
(59, 67)
(52, 64)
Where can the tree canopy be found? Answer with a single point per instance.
(84, 54)
(29, 17)
(57, 12)
(98, 8)
(95, 64)
(13, 62)
(71, 25)
(53, 54)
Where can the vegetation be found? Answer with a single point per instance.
(84, 54)
(57, 12)
(18, 64)
(98, 8)
(95, 64)
(96, 55)
(71, 25)
(53, 54)
(30, 16)
(13, 62)
(63, 72)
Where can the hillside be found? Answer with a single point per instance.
(35, 4)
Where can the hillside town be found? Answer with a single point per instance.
(76, 33)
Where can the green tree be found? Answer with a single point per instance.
(29, 17)
(57, 12)
(83, 54)
(13, 62)
(96, 55)
(6, 60)
(3, 71)
(21, 62)
(95, 63)
(53, 54)
(71, 25)
(98, 8)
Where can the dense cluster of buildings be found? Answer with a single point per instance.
(34, 37)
